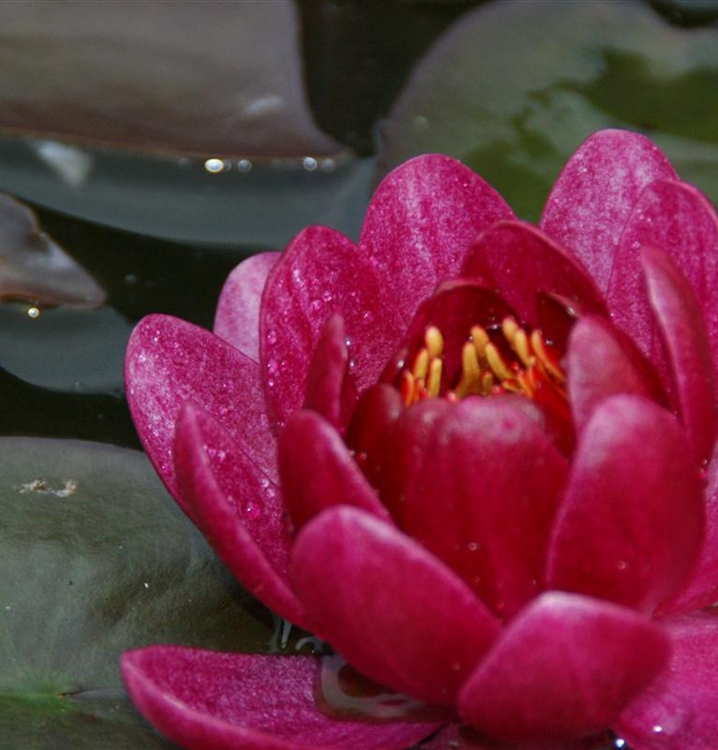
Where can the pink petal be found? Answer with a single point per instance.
(203, 699)
(406, 448)
(457, 737)
(519, 261)
(596, 191)
(678, 219)
(237, 317)
(238, 509)
(678, 711)
(322, 273)
(420, 222)
(168, 362)
(602, 362)
(632, 519)
(317, 471)
(688, 348)
(483, 497)
(701, 588)
(389, 607)
(370, 433)
(330, 389)
(564, 669)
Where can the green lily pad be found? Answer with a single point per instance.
(513, 88)
(95, 558)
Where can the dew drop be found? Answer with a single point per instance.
(251, 511)
(215, 166)
(272, 367)
(473, 546)
(456, 666)
(327, 296)
(327, 165)
(244, 166)
(622, 565)
(657, 728)
(367, 316)
(33, 312)
(271, 337)
(270, 493)
(310, 163)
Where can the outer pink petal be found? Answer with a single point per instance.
(600, 362)
(519, 261)
(564, 669)
(168, 362)
(237, 317)
(317, 471)
(389, 607)
(238, 509)
(330, 388)
(420, 222)
(687, 346)
(701, 589)
(483, 497)
(632, 520)
(322, 273)
(457, 737)
(678, 712)
(205, 700)
(677, 218)
(595, 193)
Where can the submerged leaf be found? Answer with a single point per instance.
(512, 88)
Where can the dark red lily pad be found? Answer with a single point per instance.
(214, 78)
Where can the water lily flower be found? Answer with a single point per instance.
(472, 455)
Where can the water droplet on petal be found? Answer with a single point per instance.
(251, 511)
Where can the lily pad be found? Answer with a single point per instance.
(80, 351)
(226, 202)
(512, 89)
(95, 558)
(34, 266)
(212, 78)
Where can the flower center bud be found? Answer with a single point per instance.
(503, 359)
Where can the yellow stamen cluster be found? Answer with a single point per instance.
(485, 370)
(423, 380)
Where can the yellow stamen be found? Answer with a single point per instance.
(496, 362)
(543, 356)
(433, 383)
(509, 327)
(521, 346)
(480, 339)
(434, 341)
(421, 365)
